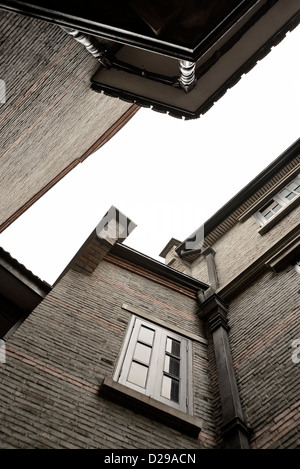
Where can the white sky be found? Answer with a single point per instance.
(167, 175)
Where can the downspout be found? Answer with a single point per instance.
(213, 310)
(209, 255)
(235, 431)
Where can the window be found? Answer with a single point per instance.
(279, 201)
(157, 363)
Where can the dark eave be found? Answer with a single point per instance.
(183, 30)
(175, 57)
(270, 171)
(19, 284)
(156, 267)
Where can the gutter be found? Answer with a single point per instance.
(157, 267)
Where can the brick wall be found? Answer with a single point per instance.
(50, 117)
(264, 320)
(241, 245)
(59, 356)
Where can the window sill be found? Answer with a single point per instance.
(150, 407)
(287, 209)
(286, 256)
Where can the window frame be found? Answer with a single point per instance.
(156, 366)
(278, 198)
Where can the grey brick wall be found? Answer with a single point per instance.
(241, 245)
(264, 320)
(59, 356)
(50, 117)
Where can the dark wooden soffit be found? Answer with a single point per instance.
(170, 27)
(223, 40)
(19, 285)
(98, 144)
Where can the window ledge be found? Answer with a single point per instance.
(150, 407)
(285, 256)
(287, 209)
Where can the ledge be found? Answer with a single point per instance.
(263, 262)
(150, 407)
(285, 256)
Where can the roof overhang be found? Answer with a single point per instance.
(172, 56)
(19, 285)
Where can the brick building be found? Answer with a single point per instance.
(50, 120)
(248, 253)
(125, 352)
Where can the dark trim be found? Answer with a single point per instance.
(141, 260)
(271, 170)
(142, 101)
(23, 275)
(180, 112)
(235, 430)
(137, 35)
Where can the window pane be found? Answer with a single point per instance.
(170, 388)
(146, 335)
(138, 374)
(173, 347)
(291, 196)
(172, 365)
(269, 211)
(285, 192)
(142, 353)
(276, 208)
(268, 215)
(293, 186)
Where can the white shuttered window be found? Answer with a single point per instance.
(157, 363)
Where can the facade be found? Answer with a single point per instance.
(61, 361)
(124, 352)
(249, 255)
(201, 352)
(50, 120)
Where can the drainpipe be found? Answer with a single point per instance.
(209, 255)
(235, 431)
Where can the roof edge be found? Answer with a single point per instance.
(264, 176)
(22, 274)
(156, 267)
